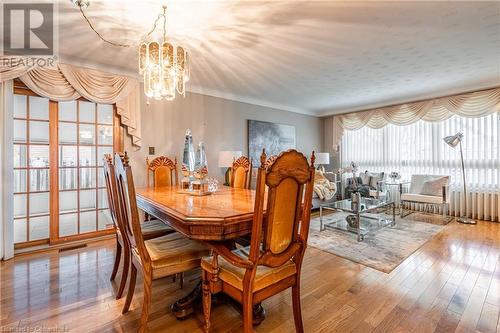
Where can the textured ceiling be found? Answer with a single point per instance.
(319, 57)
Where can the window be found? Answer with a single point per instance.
(59, 190)
(419, 148)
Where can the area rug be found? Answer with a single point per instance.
(383, 249)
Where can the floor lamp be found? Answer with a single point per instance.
(453, 141)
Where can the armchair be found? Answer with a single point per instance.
(430, 190)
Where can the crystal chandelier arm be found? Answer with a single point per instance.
(120, 44)
(154, 26)
(98, 34)
(164, 23)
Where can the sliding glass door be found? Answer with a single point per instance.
(31, 168)
(85, 135)
(59, 191)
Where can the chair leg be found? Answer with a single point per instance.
(146, 303)
(207, 300)
(124, 277)
(118, 256)
(401, 210)
(446, 213)
(131, 289)
(181, 278)
(297, 313)
(247, 312)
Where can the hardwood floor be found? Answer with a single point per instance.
(451, 284)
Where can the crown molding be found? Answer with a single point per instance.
(192, 89)
(248, 100)
(93, 65)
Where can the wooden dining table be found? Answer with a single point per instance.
(222, 216)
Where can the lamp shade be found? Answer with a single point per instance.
(453, 140)
(226, 157)
(322, 158)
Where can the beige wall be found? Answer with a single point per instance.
(221, 124)
(328, 144)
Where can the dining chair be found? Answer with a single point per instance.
(272, 262)
(155, 258)
(163, 170)
(164, 173)
(150, 229)
(241, 173)
(270, 160)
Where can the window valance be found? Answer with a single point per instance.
(64, 82)
(474, 104)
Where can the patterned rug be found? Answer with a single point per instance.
(383, 249)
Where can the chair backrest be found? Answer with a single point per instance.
(164, 171)
(289, 181)
(241, 173)
(127, 203)
(417, 182)
(109, 179)
(270, 160)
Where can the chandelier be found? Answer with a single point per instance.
(163, 65)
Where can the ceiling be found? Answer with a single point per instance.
(320, 57)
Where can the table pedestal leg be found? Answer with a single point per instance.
(185, 306)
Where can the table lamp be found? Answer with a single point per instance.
(226, 159)
(321, 160)
(453, 141)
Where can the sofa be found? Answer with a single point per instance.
(368, 184)
(325, 189)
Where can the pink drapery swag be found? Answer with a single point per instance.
(473, 104)
(63, 82)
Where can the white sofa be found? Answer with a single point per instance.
(428, 190)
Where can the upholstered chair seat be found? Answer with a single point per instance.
(422, 198)
(172, 251)
(233, 275)
(155, 228)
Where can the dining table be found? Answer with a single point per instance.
(222, 216)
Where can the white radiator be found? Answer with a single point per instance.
(480, 205)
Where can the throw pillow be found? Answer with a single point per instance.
(434, 187)
(365, 178)
(375, 178)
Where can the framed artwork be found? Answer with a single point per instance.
(275, 138)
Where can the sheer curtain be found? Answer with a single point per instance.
(419, 149)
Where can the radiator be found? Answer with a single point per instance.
(480, 205)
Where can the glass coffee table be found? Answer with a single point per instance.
(358, 222)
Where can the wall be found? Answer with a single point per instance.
(328, 144)
(221, 124)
